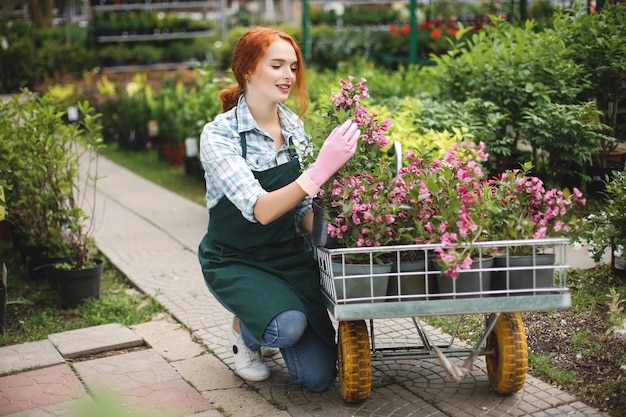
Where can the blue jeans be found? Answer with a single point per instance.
(310, 361)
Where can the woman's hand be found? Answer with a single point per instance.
(337, 149)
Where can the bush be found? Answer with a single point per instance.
(78, 35)
(144, 54)
(525, 74)
(17, 56)
(28, 56)
(54, 58)
(331, 46)
(113, 55)
(596, 43)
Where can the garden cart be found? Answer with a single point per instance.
(382, 286)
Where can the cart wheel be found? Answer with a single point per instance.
(508, 365)
(355, 361)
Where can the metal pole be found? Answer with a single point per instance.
(306, 35)
(223, 24)
(413, 36)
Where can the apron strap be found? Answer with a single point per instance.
(244, 145)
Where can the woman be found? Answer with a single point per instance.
(254, 257)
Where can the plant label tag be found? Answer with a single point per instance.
(191, 147)
(153, 128)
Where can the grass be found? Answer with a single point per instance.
(541, 365)
(151, 166)
(33, 308)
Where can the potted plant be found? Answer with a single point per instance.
(444, 203)
(368, 158)
(607, 229)
(54, 166)
(125, 111)
(356, 195)
(30, 162)
(166, 106)
(521, 208)
(77, 273)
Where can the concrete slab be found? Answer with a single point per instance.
(168, 338)
(39, 388)
(209, 413)
(125, 371)
(28, 355)
(207, 372)
(97, 339)
(244, 402)
(174, 398)
(65, 409)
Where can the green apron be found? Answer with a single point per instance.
(260, 271)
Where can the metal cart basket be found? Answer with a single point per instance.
(384, 284)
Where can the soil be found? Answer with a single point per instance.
(588, 359)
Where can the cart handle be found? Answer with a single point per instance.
(396, 150)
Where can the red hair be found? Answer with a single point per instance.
(249, 50)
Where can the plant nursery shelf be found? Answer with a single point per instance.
(154, 36)
(198, 5)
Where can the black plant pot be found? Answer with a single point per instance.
(599, 177)
(319, 235)
(618, 264)
(77, 285)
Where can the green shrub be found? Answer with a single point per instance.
(597, 43)
(146, 54)
(59, 34)
(17, 55)
(331, 46)
(524, 73)
(53, 58)
(201, 103)
(113, 55)
(125, 111)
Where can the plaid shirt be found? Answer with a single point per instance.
(228, 175)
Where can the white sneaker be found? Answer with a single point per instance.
(248, 364)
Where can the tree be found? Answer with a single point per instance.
(41, 12)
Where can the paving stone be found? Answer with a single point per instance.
(168, 338)
(39, 388)
(175, 398)
(244, 402)
(208, 413)
(207, 372)
(28, 355)
(97, 339)
(70, 408)
(125, 371)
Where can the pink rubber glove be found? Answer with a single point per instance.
(337, 149)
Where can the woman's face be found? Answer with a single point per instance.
(275, 73)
